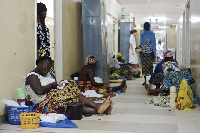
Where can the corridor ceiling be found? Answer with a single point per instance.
(167, 12)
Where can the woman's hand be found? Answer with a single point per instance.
(137, 47)
(152, 55)
(101, 84)
(60, 83)
(54, 85)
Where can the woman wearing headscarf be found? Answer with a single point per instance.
(52, 97)
(167, 74)
(158, 75)
(148, 53)
(43, 35)
(119, 68)
(87, 81)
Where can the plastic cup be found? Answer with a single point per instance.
(76, 79)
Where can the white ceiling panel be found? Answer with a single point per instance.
(142, 10)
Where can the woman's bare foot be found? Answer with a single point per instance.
(148, 89)
(124, 88)
(123, 83)
(104, 105)
(109, 109)
(146, 86)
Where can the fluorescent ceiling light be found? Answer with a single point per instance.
(159, 19)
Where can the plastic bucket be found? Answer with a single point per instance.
(74, 111)
(21, 93)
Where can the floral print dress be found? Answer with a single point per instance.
(174, 78)
(43, 40)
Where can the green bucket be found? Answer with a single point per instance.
(21, 93)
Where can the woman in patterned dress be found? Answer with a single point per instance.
(158, 75)
(43, 35)
(42, 89)
(86, 79)
(148, 53)
(167, 74)
(119, 67)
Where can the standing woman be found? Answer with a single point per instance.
(43, 35)
(133, 59)
(148, 53)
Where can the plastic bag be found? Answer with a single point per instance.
(10, 102)
(185, 97)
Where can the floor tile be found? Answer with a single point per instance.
(132, 113)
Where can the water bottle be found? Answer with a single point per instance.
(173, 96)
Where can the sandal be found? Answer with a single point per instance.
(144, 84)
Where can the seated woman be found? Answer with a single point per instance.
(87, 81)
(125, 68)
(119, 67)
(166, 67)
(42, 89)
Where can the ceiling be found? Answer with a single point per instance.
(168, 12)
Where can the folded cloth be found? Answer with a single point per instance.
(91, 93)
(52, 117)
(98, 80)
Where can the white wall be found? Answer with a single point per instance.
(113, 9)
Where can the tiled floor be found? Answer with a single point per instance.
(131, 114)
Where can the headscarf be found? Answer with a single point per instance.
(40, 8)
(113, 61)
(168, 53)
(90, 59)
(118, 55)
(148, 34)
(111, 54)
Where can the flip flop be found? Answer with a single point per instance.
(144, 83)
